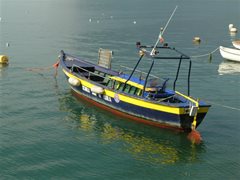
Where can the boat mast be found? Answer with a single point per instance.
(162, 30)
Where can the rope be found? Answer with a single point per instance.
(229, 107)
(37, 70)
(208, 54)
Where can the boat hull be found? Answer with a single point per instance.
(98, 86)
(236, 44)
(230, 54)
(144, 115)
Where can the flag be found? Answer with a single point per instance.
(161, 40)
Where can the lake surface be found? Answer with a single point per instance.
(46, 133)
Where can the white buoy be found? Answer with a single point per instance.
(233, 30)
(0, 19)
(134, 22)
(97, 89)
(73, 81)
(90, 20)
(230, 26)
(7, 44)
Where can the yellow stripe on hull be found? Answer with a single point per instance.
(138, 101)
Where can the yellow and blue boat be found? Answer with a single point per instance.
(142, 99)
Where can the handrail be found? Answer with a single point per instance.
(141, 72)
(189, 98)
(184, 56)
(74, 65)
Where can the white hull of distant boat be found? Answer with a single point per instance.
(230, 54)
(236, 44)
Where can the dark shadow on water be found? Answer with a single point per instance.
(143, 142)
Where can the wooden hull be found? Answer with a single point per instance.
(230, 54)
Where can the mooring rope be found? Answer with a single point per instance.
(39, 69)
(208, 54)
(221, 105)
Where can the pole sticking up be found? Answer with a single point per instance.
(162, 30)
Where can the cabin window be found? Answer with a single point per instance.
(132, 90)
(102, 74)
(127, 88)
(116, 84)
(106, 81)
(110, 83)
(120, 88)
(97, 72)
(138, 92)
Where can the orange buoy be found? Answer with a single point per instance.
(195, 137)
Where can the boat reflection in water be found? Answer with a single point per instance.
(144, 143)
(229, 67)
(142, 148)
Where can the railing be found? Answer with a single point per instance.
(87, 71)
(141, 72)
(156, 55)
(189, 98)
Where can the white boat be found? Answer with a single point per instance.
(230, 53)
(236, 44)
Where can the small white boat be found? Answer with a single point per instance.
(230, 53)
(236, 44)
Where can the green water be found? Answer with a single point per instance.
(46, 133)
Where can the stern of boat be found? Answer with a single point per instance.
(187, 121)
(193, 112)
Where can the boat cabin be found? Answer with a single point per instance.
(135, 87)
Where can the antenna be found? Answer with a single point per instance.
(162, 30)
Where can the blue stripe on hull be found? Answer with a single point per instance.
(153, 115)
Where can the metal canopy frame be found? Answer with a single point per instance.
(155, 56)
